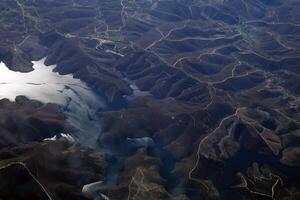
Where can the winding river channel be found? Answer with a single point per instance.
(80, 105)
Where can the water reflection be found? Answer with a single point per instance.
(78, 101)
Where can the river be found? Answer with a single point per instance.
(80, 105)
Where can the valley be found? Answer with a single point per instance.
(173, 99)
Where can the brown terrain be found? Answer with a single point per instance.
(214, 84)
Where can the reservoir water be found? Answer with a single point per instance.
(78, 102)
(80, 105)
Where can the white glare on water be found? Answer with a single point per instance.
(80, 103)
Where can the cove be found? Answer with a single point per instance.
(78, 102)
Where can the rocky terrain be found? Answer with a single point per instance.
(35, 169)
(203, 98)
(27, 120)
(48, 170)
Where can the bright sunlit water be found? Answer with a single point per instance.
(78, 101)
